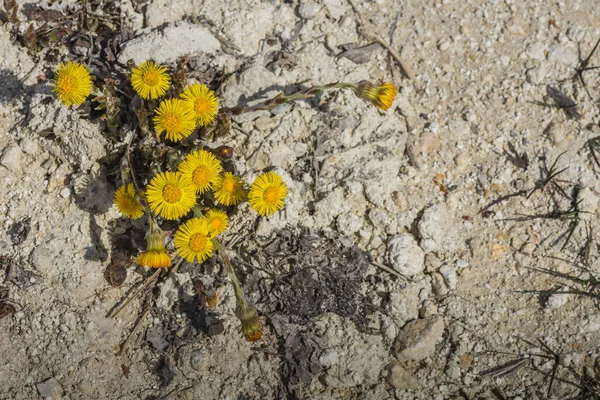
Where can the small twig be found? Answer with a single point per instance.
(117, 310)
(387, 269)
(137, 326)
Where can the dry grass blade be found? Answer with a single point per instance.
(505, 369)
(148, 281)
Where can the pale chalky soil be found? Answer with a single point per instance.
(421, 172)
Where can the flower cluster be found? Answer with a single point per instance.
(192, 188)
(173, 195)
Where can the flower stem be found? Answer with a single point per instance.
(281, 98)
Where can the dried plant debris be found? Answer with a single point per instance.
(356, 54)
(19, 276)
(315, 273)
(300, 362)
(563, 101)
(19, 231)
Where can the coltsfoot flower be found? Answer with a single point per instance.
(193, 240)
(176, 118)
(252, 326)
(150, 80)
(155, 255)
(382, 96)
(127, 203)
(171, 195)
(217, 221)
(202, 168)
(204, 103)
(267, 194)
(229, 189)
(73, 83)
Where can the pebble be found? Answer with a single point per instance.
(592, 324)
(417, 340)
(49, 388)
(29, 146)
(563, 55)
(400, 378)
(443, 44)
(11, 156)
(41, 258)
(449, 274)
(308, 10)
(536, 75)
(439, 230)
(536, 50)
(377, 217)
(576, 34)
(65, 193)
(557, 300)
(459, 128)
(405, 255)
(428, 143)
(329, 358)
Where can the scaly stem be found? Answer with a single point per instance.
(239, 294)
(281, 98)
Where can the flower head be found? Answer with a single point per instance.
(204, 102)
(202, 168)
(126, 202)
(217, 221)
(150, 80)
(176, 117)
(73, 83)
(155, 255)
(382, 96)
(193, 240)
(267, 193)
(171, 195)
(229, 189)
(251, 324)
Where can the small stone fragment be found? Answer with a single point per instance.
(417, 340)
(560, 54)
(29, 146)
(557, 300)
(308, 10)
(329, 358)
(49, 388)
(459, 128)
(536, 50)
(400, 378)
(11, 157)
(443, 45)
(405, 255)
(449, 274)
(439, 230)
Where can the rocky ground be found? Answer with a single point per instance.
(424, 253)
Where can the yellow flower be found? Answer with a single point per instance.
(171, 195)
(217, 221)
(204, 102)
(150, 80)
(267, 193)
(193, 240)
(228, 189)
(176, 117)
(382, 96)
(73, 83)
(127, 203)
(155, 255)
(202, 168)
